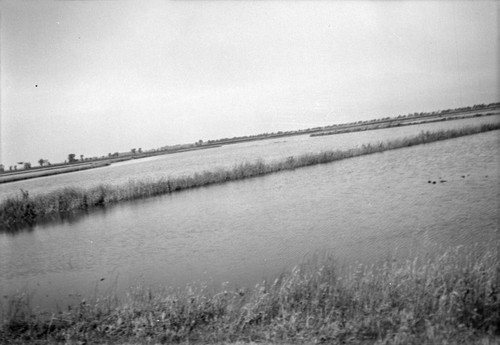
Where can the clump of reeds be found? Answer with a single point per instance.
(26, 210)
(454, 298)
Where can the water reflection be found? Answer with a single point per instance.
(66, 218)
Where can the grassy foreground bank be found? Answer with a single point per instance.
(453, 298)
(26, 210)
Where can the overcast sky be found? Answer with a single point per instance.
(92, 77)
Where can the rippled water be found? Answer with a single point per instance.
(225, 156)
(361, 209)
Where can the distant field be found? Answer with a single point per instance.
(24, 174)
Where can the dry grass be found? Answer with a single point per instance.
(453, 298)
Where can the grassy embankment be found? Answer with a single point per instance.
(450, 299)
(27, 210)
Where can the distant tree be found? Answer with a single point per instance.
(133, 151)
(41, 161)
(81, 158)
(27, 165)
(139, 150)
(15, 167)
(71, 158)
(2, 168)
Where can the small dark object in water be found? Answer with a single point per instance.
(102, 279)
(463, 176)
(429, 181)
(433, 182)
(442, 181)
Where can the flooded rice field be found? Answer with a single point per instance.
(364, 209)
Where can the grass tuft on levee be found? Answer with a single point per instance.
(453, 298)
(26, 210)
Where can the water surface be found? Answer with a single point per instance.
(362, 209)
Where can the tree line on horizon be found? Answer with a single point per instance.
(72, 157)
